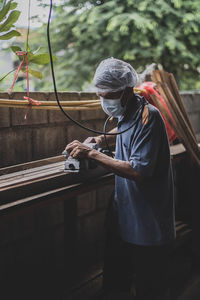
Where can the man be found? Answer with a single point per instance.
(141, 217)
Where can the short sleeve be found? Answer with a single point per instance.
(146, 144)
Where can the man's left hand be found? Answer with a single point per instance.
(78, 150)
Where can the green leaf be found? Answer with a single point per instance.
(13, 17)
(6, 8)
(30, 56)
(4, 76)
(41, 59)
(13, 5)
(34, 73)
(38, 49)
(15, 48)
(9, 35)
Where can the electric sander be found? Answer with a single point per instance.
(73, 165)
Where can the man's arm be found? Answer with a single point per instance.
(118, 167)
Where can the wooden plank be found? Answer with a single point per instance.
(31, 171)
(31, 164)
(30, 178)
(33, 180)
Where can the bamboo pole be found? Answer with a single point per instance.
(168, 78)
(49, 103)
(168, 117)
(178, 131)
(181, 126)
(179, 100)
(174, 108)
(71, 108)
(180, 123)
(86, 102)
(52, 105)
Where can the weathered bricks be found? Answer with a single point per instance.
(88, 96)
(33, 116)
(48, 141)
(91, 114)
(58, 116)
(192, 105)
(75, 133)
(191, 101)
(4, 117)
(15, 146)
(4, 113)
(195, 120)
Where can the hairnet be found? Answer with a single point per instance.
(113, 75)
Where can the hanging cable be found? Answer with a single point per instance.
(105, 138)
(55, 88)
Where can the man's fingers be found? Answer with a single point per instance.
(76, 154)
(73, 151)
(77, 149)
(74, 142)
(69, 149)
(71, 146)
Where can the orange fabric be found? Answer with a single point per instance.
(150, 88)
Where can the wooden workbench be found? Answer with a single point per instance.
(44, 181)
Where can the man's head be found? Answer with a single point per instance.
(114, 79)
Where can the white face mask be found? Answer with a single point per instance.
(112, 107)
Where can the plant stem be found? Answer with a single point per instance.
(2, 78)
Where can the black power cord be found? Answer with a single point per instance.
(105, 138)
(56, 94)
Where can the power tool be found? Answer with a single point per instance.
(73, 165)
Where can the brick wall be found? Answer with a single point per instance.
(45, 133)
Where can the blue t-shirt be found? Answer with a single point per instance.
(145, 211)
